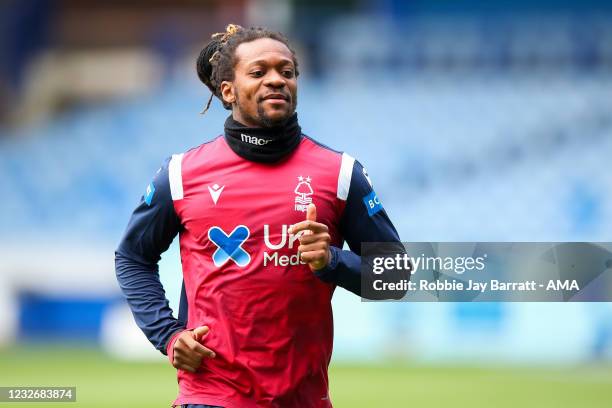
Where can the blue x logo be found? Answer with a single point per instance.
(230, 246)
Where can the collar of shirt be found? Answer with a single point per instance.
(264, 145)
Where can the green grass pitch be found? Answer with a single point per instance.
(104, 382)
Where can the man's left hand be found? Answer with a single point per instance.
(314, 241)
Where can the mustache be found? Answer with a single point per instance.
(278, 94)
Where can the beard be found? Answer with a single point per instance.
(262, 118)
(269, 122)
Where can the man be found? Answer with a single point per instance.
(262, 212)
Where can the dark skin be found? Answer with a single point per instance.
(189, 351)
(264, 90)
(262, 94)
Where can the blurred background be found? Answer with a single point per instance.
(477, 120)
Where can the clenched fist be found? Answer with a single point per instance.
(314, 241)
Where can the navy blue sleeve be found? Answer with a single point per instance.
(364, 220)
(149, 233)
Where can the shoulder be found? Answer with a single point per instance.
(315, 147)
(347, 169)
(201, 151)
(175, 167)
(323, 152)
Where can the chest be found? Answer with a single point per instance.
(264, 199)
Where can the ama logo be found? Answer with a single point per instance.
(229, 246)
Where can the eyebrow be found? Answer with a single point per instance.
(265, 62)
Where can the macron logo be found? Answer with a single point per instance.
(215, 192)
(254, 140)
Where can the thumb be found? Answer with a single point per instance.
(311, 212)
(200, 332)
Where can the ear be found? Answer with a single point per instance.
(227, 92)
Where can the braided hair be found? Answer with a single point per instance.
(216, 61)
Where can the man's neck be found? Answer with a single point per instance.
(244, 121)
(263, 144)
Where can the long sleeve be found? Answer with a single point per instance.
(364, 220)
(149, 233)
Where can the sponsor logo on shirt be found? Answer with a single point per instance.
(303, 192)
(254, 140)
(286, 240)
(372, 203)
(229, 246)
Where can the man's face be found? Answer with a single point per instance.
(264, 90)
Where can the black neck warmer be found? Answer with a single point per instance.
(264, 145)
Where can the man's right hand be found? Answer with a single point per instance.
(188, 349)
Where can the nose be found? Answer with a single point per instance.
(274, 79)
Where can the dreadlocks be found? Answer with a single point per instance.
(216, 61)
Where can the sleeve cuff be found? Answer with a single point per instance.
(170, 345)
(328, 273)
